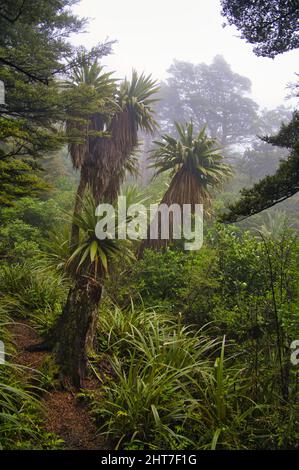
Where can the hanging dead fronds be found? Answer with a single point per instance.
(197, 168)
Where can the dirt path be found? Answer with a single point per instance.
(64, 415)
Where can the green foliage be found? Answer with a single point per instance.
(269, 191)
(18, 240)
(197, 153)
(163, 383)
(42, 215)
(288, 134)
(34, 51)
(20, 410)
(154, 360)
(137, 95)
(92, 256)
(49, 374)
(30, 224)
(245, 284)
(169, 386)
(273, 189)
(271, 25)
(30, 291)
(31, 53)
(171, 280)
(192, 348)
(18, 179)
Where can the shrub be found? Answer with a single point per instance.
(29, 291)
(165, 391)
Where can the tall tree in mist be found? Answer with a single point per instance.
(211, 95)
(196, 167)
(110, 135)
(106, 141)
(83, 128)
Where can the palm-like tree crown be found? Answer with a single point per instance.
(92, 73)
(111, 130)
(95, 93)
(194, 162)
(93, 256)
(110, 153)
(136, 97)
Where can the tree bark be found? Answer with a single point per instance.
(75, 326)
(77, 211)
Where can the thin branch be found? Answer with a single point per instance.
(13, 20)
(45, 81)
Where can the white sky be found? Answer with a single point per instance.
(151, 33)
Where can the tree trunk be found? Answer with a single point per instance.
(75, 327)
(77, 211)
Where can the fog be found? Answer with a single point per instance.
(151, 34)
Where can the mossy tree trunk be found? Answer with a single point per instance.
(75, 327)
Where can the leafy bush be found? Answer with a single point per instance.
(165, 391)
(30, 291)
(18, 240)
(246, 285)
(176, 281)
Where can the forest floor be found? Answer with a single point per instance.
(63, 414)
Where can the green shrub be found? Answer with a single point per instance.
(165, 391)
(29, 291)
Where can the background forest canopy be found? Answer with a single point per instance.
(212, 95)
(163, 348)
